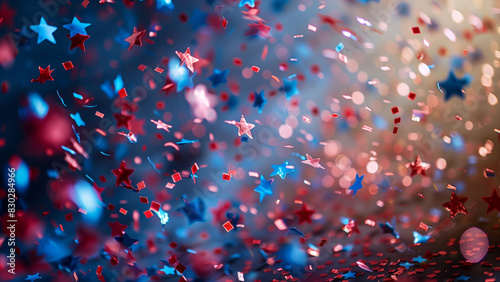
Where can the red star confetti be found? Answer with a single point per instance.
(44, 75)
(135, 38)
(187, 59)
(456, 205)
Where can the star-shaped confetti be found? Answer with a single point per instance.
(357, 184)
(260, 29)
(493, 202)
(187, 59)
(264, 187)
(166, 269)
(419, 259)
(250, 3)
(186, 82)
(164, 3)
(7, 14)
(78, 119)
(33, 277)
(123, 120)
(452, 86)
(122, 174)
(44, 31)
(456, 205)
(117, 229)
(76, 27)
(161, 125)
(351, 227)
(194, 211)
(289, 88)
(135, 38)
(44, 75)
(304, 214)
(259, 101)
(349, 274)
(125, 240)
(77, 41)
(418, 167)
(387, 228)
(243, 126)
(406, 264)
(312, 162)
(218, 77)
(463, 278)
(419, 238)
(281, 170)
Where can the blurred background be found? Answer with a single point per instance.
(336, 76)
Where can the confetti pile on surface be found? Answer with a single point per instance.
(227, 140)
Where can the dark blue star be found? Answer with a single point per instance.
(264, 187)
(21, 37)
(388, 228)
(259, 101)
(69, 263)
(281, 170)
(452, 86)
(289, 87)
(126, 240)
(76, 27)
(233, 218)
(218, 77)
(357, 184)
(33, 277)
(193, 211)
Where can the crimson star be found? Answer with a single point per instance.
(7, 14)
(77, 41)
(123, 120)
(135, 38)
(259, 29)
(98, 190)
(313, 162)
(351, 227)
(187, 59)
(117, 228)
(122, 174)
(44, 75)
(243, 126)
(304, 214)
(493, 202)
(219, 212)
(456, 205)
(418, 167)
